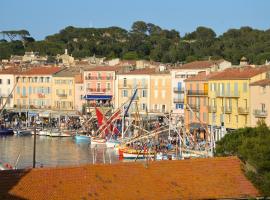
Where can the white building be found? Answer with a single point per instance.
(7, 82)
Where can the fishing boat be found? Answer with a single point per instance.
(58, 133)
(128, 153)
(112, 143)
(23, 132)
(5, 166)
(43, 132)
(79, 137)
(98, 141)
(6, 131)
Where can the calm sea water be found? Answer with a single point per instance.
(51, 152)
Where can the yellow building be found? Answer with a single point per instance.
(63, 90)
(34, 88)
(229, 96)
(154, 90)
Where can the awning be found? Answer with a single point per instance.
(98, 97)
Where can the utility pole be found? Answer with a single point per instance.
(34, 149)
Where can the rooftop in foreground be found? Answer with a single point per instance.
(213, 178)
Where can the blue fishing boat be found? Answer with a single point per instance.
(84, 138)
(6, 131)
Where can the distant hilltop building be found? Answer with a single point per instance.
(65, 59)
(243, 61)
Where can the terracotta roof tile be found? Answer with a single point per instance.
(261, 83)
(145, 71)
(204, 64)
(214, 178)
(202, 76)
(41, 71)
(103, 68)
(240, 73)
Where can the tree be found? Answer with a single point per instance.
(139, 27)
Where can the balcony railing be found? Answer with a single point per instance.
(155, 111)
(98, 90)
(98, 78)
(24, 96)
(178, 90)
(40, 95)
(194, 107)
(260, 113)
(227, 94)
(243, 110)
(226, 109)
(64, 96)
(178, 100)
(197, 93)
(212, 109)
(129, 86)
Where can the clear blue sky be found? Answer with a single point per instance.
(44, 17)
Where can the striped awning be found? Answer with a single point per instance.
(98, 97)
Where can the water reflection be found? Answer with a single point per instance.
(52, 152)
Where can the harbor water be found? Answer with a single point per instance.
(52, 152)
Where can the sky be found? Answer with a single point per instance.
(45, 17)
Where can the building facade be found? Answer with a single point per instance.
(229, 96)
(99, 87)
(34, 88)
(79, 93)
(260, 102)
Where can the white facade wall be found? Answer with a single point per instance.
(6, 86)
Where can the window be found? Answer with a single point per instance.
(108, 86)
(204, 116)
(98, 87)
(125, 82)
(30, 90)
(204, 101)
(156, 93)
(163, 94)
(143, 106)
(163, 108)
(236, 89)
(0, 81)
(99, 75)
(8, 81)
(70, 92)
(191, 115)
(18, 90)
(263, 106)
(236, 118)
(125, 93)
(143, 83)
(213, 117)
(144, 93)
(245, 87)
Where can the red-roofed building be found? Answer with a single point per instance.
(260, 101)
(229, 97)
(99, 85)
(196, 113)
(34, 88)
(205, 178)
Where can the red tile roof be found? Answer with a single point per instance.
(204, 64)
(262, 83)
(213, 178)
(103, 68)
(201, 76)
(240, 73)
(41, 71)
(10, 70)
(144, 71)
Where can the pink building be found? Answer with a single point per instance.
(99, 85)
(197, 100)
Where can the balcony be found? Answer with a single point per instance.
(227, 94)
(98, 90)
(226, 109)
(178, 100)
(98, 78)
(178, 90)
(40, 95)
(197, 93)
(62, 96)
(258, 113)
(212, 109)
(155, 110)
(243, 111)
(24, 96)
(194, 107)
